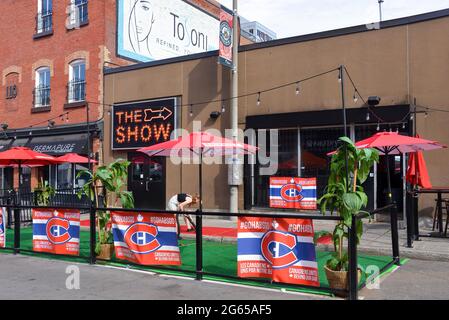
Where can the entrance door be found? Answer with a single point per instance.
(146, 179)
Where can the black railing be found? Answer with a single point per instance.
(41, 96)
(199, 272)
(76, 91)
(44, 22)
(26, 198)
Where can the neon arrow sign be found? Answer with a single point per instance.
(163, 113)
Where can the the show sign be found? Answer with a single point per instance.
(226, 37)
(293, 193)
(2, 227)
(145, 238)
(279, 249)
(142, 124)
(56, 231)
(151, 30)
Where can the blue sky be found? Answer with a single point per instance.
(295, 17)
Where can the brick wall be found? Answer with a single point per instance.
(19, 49)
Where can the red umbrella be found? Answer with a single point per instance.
(417, 173)
(200, 144)
(393, 143)
(25, 156)
(75, 158)
(19, 156)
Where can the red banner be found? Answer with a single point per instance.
(226, 37)
(56, 231)
(279, 249)
(146, 238)
(293, 193)
(2, 227)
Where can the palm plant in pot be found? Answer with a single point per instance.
(104, 183)
(345, 196)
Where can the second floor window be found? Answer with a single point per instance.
(78, 13)
(77, 81)
(44, 18)
(42, 88)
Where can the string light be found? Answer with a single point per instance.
(223, 108)
(258, 99)
(412, 116)
(355, 98)
(426, 114)
(368, 117)
(191, 110)
(297, 88)
(378, 126)
(403, 125)
(339, 76)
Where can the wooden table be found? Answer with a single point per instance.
(439, 191)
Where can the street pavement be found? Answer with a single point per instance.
(417, 280)
(25, 277)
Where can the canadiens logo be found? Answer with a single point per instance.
(278, 249)
(291, 192)
(141, 238)
(58, 230)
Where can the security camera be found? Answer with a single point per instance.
(373, 100)
(214, 115)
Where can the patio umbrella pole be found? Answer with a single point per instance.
(393, 213)
(199, 225)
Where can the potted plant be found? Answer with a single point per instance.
(43, 193)
(346, 197)
(110, 179)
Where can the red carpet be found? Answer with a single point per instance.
(224, 232)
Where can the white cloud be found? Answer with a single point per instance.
(295, 17)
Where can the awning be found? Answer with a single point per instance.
(59, 145)
(5, 144)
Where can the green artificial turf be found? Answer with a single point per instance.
(218, 258)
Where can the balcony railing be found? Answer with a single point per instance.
(44, 22)
(76, 91)
(41, 96)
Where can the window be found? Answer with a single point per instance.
(44, 18)
(42, 87)
(78, 13)
(77, 81)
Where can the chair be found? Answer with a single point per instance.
(444, 206)
(446, 202)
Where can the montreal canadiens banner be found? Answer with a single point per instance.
(293, 193)
(56, 231)
(279, 249)
(2, 227)
(226, 34)
(146, 238)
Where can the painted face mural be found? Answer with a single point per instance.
(141, 20)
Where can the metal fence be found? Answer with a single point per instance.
(25, 199)
(198, 271)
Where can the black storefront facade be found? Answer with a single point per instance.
(55, 141)
(305, 138)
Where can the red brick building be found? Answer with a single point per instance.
(51, 64)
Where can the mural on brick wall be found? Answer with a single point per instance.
(151, 30)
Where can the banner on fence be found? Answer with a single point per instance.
(56, 231)
(279, 249)
(146, 238)
(293, 193)
(3, 227)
